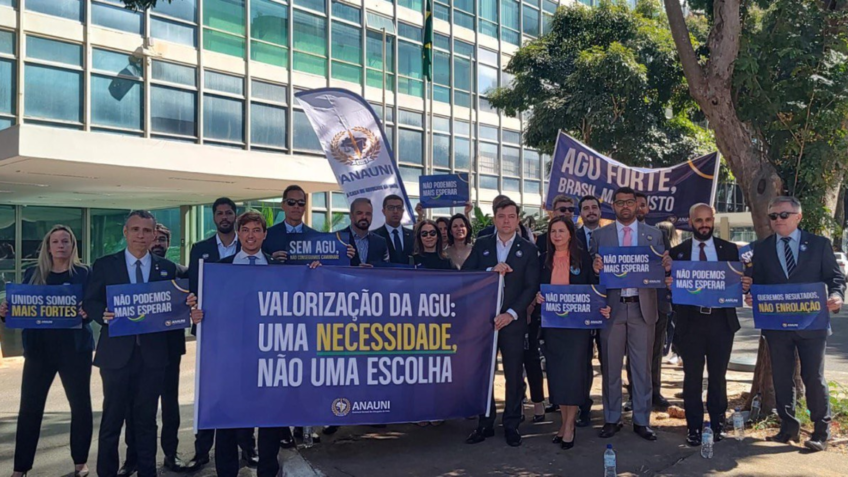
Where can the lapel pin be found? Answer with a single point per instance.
(485, 253)
(163, 273)
(205, 256)
(650, 238)
(680, 255)
(803, 247)
(575, 271)
(519, 253)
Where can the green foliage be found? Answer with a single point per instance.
(480, 221)
(335, 220)
(268, 212)
(791, 81)
(608, 76)
(145, 4)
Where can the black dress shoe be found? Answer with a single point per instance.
(568, 445)
(328, 430)
(783, 438)
(628, 406)
(551, 408)
(584, 419)
(197, 463)
(479, 435)
(174, 464)
(816, 445)
(128, 469)
(645, 432)
(694, 438)
(513, 437)
(538, 418)
(660, 402)
(287, 442)
(610, 429)
(251, 460)
(557, 440)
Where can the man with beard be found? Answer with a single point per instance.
(704, 334)
(171, 386)
(221, 245)
(371, 249)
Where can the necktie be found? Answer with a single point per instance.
(628, 237)
(703, 255)
(589, 237)
(139, 278)
(790, 257)
(251, 259)
(397, 244)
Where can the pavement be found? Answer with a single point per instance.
(410, 450)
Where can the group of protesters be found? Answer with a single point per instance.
(140, 371)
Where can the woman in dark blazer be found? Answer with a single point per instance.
(566, 350)
(50, 351)
(429, 249)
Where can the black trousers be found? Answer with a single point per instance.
(135, 387)
(707, 339)
(656, 356)
(511, 346)
(782, 346)
(533, 362)
(170, 413)
(74, 369)
(227, 447)
(205, 438)
(587, 406)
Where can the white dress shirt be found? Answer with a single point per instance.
(709, 250)
(634, 241)
(145, 265)
(225, 251)
(241, 258)
(503, 249)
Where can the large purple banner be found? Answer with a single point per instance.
(291, 346)
(579, 170)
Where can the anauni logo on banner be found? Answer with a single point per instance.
(355, 147)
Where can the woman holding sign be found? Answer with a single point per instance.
(50, 351)
(566, 350)
(429, 248)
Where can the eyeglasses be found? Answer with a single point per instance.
(622, 203)
(782, 215)
(394, 208)
(431, 233)
(295, 202)
(563, 210)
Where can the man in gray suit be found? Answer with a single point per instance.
(632, 322)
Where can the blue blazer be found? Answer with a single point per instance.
(83, 337)
(278, 238)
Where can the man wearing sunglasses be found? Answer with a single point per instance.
(792, 255)
(399, 238)
(563, 207)
(294, 206)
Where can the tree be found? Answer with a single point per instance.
(773, 83)
(145, 4)
(608, 76)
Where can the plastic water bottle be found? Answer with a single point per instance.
(307, 437)
(707, 441)
(756, 406)
(738, 425)
(609, 462)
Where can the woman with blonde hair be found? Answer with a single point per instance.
(50, 351)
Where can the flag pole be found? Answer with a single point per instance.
(384, 78)
(471, 160)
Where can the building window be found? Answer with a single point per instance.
(224, 26)
(347, 52)
(511, 162)
(374, 60)
(532, 165)
(510, 22)
(310, 43)
(531, 20)
(175, 22)
(304, 136)
(269, 32)
(53, 81)
(223, 111)
(7, 79)
(416, 5)
(488, 157)
(411, 147)
(116, 17)
(69, 9)
(173, 100)
(489, 182)
(117, 93)
(441, 150)
(268, 124)
(488, 24)
(317, 5)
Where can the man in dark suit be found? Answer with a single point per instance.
(795, 256)
(397, 237)
(563, 207)
(704, 334)
(132, 367)
(170, 390)
(590, 211)
(252, 230)
(523, 231)
(294, 206)
(221, 245)
(518, 261)
(370, 249)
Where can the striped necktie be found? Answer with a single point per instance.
(790, 257)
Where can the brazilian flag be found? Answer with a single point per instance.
(427, 57)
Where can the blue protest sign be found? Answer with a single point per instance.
(578, 170)
(328, 248)
(706, 284)
(342, 345)
(148, 307)
(792, 306)
(632, 267)
(573, 306)
(746, 255)
(43, 306)
(443, 190)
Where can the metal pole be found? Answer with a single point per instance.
(384, 78)
(471, 160)
(430, 134)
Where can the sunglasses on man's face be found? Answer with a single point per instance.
(563, 210)
(295, 202)
(431, 233)
(782, 215)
